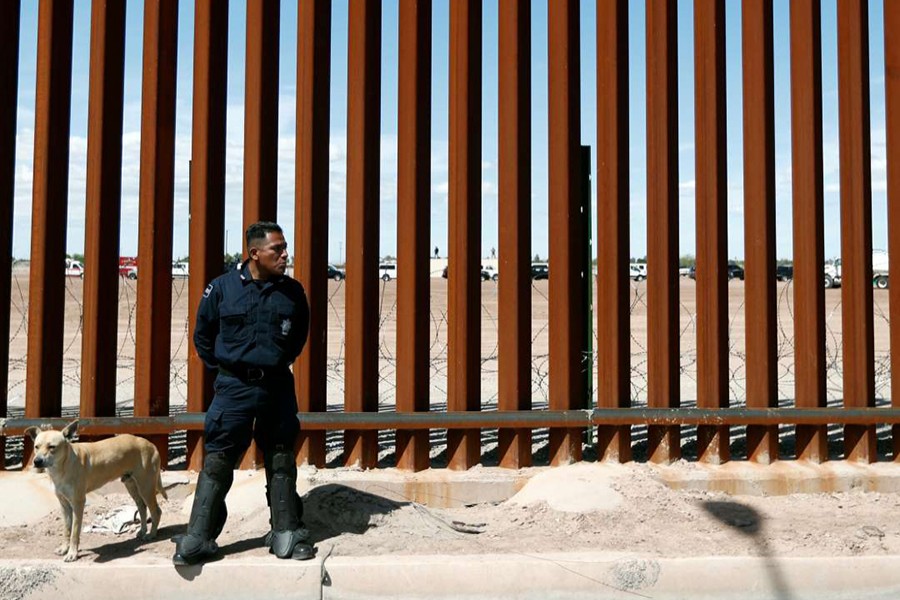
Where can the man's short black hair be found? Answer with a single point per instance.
(259, 231)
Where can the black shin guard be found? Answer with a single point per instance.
(208, 513)
(288, 539)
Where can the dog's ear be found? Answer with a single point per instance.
(32, 432)
(70, 430)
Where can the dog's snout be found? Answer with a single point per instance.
(38, 461)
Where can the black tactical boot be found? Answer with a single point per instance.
(208, 513)
(288, 538)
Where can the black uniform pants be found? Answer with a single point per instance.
(265, 411)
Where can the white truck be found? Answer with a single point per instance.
(879, 270)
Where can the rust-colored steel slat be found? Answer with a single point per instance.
(103, 209)
(261, 130)
(856, 223)
(613, 240)
(414, 226)
(363, 225)
(808, 226)
(892, 116)
(712, 223)
(311, 212)
(759, 223)
(207, 208)
(464, 278)
(568, 314)
(261, 112)
(43, 379)
(663, 356)
(154, 289)
(514, 197)
(9, 86)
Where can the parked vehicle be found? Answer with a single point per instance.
(832, 273)
(784, 272)
(179, 269)
(880, 269)
(486, 273)
(735, 271)
(74, 268)
(540, 271)
(387, 271)
(489, 274)
(636, 273)
(335, 273)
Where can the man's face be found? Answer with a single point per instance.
(271, 255)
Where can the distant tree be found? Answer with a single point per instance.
(537, 258)
(688, 260)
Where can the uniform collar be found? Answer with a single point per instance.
(247, 277)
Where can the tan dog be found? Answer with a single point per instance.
(77, 469)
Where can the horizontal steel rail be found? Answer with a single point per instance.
(337, 421)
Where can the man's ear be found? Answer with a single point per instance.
(70, 430)
(32, 432)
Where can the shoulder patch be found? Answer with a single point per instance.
(208, 291)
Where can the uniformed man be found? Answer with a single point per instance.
(251, 325)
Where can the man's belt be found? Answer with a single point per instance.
(251, 374)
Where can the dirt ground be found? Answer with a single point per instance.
(581, 507)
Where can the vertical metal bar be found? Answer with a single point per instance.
(662, 225)
(9, 86)
(759, 224)
(464, 281)
(311, 214)
(363, 225)
(567, 309)
(613, 239)
(43, 383)
(806, 142)
(103, 209)
(514, 191)
(413, 226)
(154, 290)
(856, 223)
(712, 224)
(261, 130)
(892, 117)
(261, 112)
(207, 209)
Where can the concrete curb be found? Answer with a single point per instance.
(593, 575)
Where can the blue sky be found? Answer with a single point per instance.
(440, 121)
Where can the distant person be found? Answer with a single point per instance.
(252, 324)
(435, 251)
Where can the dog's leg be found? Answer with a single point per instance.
(132, 487)
(66, 510)
(148, 493)
(75, 538)
(144, 493)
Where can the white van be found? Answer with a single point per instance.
(387, 271)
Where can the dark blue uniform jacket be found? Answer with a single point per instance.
(242, 323)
